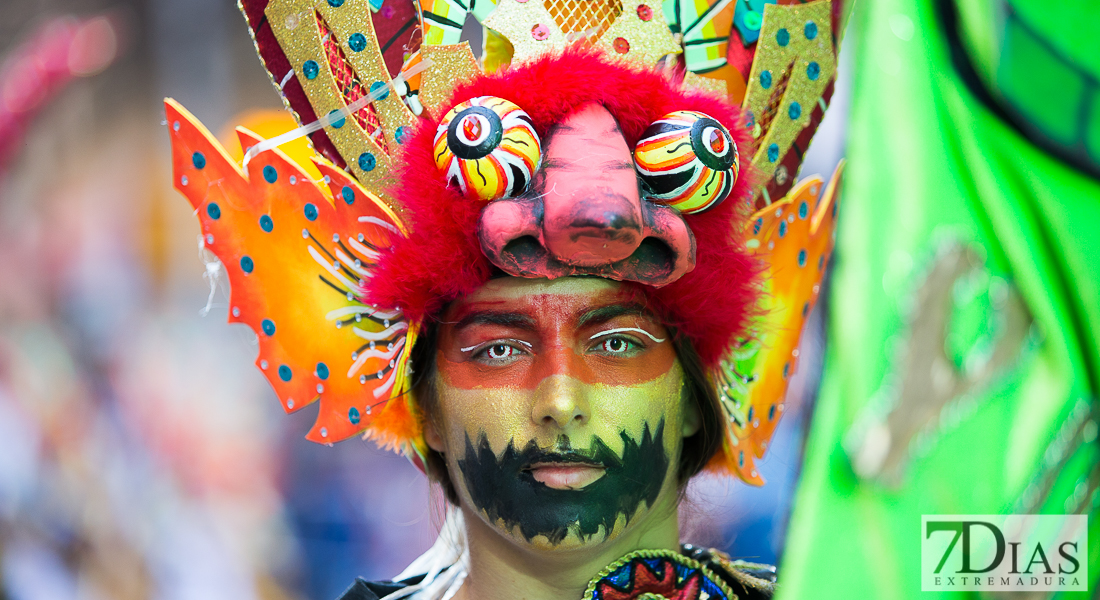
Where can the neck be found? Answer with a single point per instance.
(502, 568)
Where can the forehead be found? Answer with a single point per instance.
(591, 126)
(564, 296)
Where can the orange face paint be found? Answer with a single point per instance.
(516, 341)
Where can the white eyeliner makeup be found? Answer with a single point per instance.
(622, 329)
(469, 348)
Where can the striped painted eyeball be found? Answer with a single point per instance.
(488, 145)
(687, 160)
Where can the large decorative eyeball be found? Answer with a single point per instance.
(687, 160)
(488, 145)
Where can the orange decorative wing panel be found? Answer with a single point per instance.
(298, 254)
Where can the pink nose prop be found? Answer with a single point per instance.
(584, 215)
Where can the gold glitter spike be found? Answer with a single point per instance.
(296, 25)
(353, 27)
(706, 84)
(528, 26)
(450, 65)
(796, 50)
(640, 35)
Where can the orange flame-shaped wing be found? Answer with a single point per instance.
(298, 254)
(795, 239)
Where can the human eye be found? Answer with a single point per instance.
(498, 351)
(618, 345)
(623, 341)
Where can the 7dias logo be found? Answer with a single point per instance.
(1004, 553)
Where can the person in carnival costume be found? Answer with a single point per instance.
(536, 274)
(963, 375)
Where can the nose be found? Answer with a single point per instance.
(599, 238)
(594, 227)
(561, 402)
(584, 214)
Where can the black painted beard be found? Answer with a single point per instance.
(505, 489)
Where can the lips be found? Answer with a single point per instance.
(565, 475)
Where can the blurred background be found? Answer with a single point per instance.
(141, 454)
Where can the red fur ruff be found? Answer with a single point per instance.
(441, 260)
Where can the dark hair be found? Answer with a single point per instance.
(697, 451)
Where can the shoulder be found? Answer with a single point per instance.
(750, 581)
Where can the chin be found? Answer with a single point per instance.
(573, 540)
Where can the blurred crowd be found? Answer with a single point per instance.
(141, 454)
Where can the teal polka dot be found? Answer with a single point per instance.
(310, 69)
(802, 258)
(285, 373)
(270, 174)
(367, 161)
(322, 371)
(357, 42)
(348, 194)
(782, 37)
(246, 264)
(773, 152)
(353, 415)
(266, 223)
(338, 123)
(813, 70)
(401, 134)
(766, 80)
(268, 326)
(810, 30)
(336, 3)
(310, 211)
(214, 211)
(794, 111)
(198, 160)
(380, 89)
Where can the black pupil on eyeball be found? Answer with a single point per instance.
(498, 350)
(615, 345)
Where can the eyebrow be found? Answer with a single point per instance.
(504, 319)
(606, 313)
(570, 165)
(562, 128)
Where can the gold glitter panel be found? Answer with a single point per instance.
(796, 51)
(294, 23)
(528, 25)
(706, 84)
(451, 64)
(640, 35)
(352, 24)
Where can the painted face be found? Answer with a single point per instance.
(561, 409)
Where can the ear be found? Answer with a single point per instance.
(432, 437)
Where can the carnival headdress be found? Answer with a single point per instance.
(426, 152)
